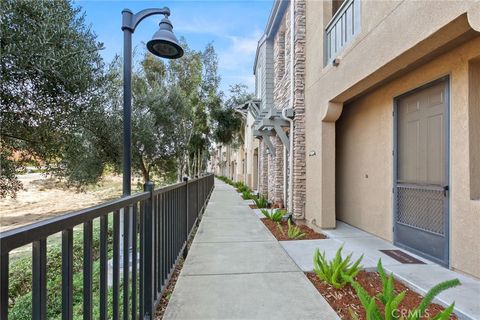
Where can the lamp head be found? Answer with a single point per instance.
(164, 44)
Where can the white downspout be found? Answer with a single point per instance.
(292, 92)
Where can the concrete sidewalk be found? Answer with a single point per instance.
(419, 277)
(237, 270)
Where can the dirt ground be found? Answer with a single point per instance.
(44, 197)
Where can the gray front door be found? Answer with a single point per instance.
(421, 177)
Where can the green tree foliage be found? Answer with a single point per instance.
(61, 106)
(51, 82)
(228, 122)
(171, 109)
(170, 120)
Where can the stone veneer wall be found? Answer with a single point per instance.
(271, 168)
(263, 170)
(271, 176)
(278, 200)
(299, 152)
(281, 91)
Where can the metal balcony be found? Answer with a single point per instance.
(344, 26)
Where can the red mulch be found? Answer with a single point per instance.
(162, 305)
(273, 227)
(254, 206)
(345, 299)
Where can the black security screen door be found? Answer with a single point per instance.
(421, 175)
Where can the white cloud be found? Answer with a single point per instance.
(235, 61)
(199, 25)
(240, 53)
(235, 47)
(245, 45)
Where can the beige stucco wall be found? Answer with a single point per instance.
(416, 32)
(365, 141)
(364, 136)
(251, 143)
(238, 157)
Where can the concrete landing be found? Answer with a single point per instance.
(236, 269)
(419, 277)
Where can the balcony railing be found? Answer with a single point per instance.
(343, 27)
(162, 221)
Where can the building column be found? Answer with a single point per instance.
(320, 209)
(298, 167)
(278, 200)
(263, 169)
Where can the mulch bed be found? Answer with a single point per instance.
(345, 299)
(162, 305)
(273, 227)
(254, 206)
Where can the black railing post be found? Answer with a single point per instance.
(4, 274)
(148, 254)
(185, 251)
(198, 199)
(67, 274)
(39, 279)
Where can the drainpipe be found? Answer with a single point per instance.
(292, 92)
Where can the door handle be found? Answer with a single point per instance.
(445, 190)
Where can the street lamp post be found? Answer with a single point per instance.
(164, 44)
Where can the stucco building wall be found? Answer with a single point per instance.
(416, 31)
(251, 144)
(349, 123)
(365, 163)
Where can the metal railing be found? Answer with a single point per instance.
(161, 220)
(343, 27)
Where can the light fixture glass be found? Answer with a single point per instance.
(164, 44)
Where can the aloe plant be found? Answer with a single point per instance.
(274, 215)
(260, 202)
(294, 232)
(246, 195)
(431, 294)
(391, 301)
(242, 188)
(226, 180)
(237, 184)
(334, 272)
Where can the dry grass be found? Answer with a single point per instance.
(44, 197)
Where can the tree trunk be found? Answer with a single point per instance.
(145, 171)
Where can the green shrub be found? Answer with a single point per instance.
(334, 272)
(294, 231)
(238, 184)
(391, 301)
(20, 276)
(274, 214)
(260, 202)
(246, 195)
(226, 180)
(242, 188)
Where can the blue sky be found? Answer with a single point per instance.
(233, 26)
